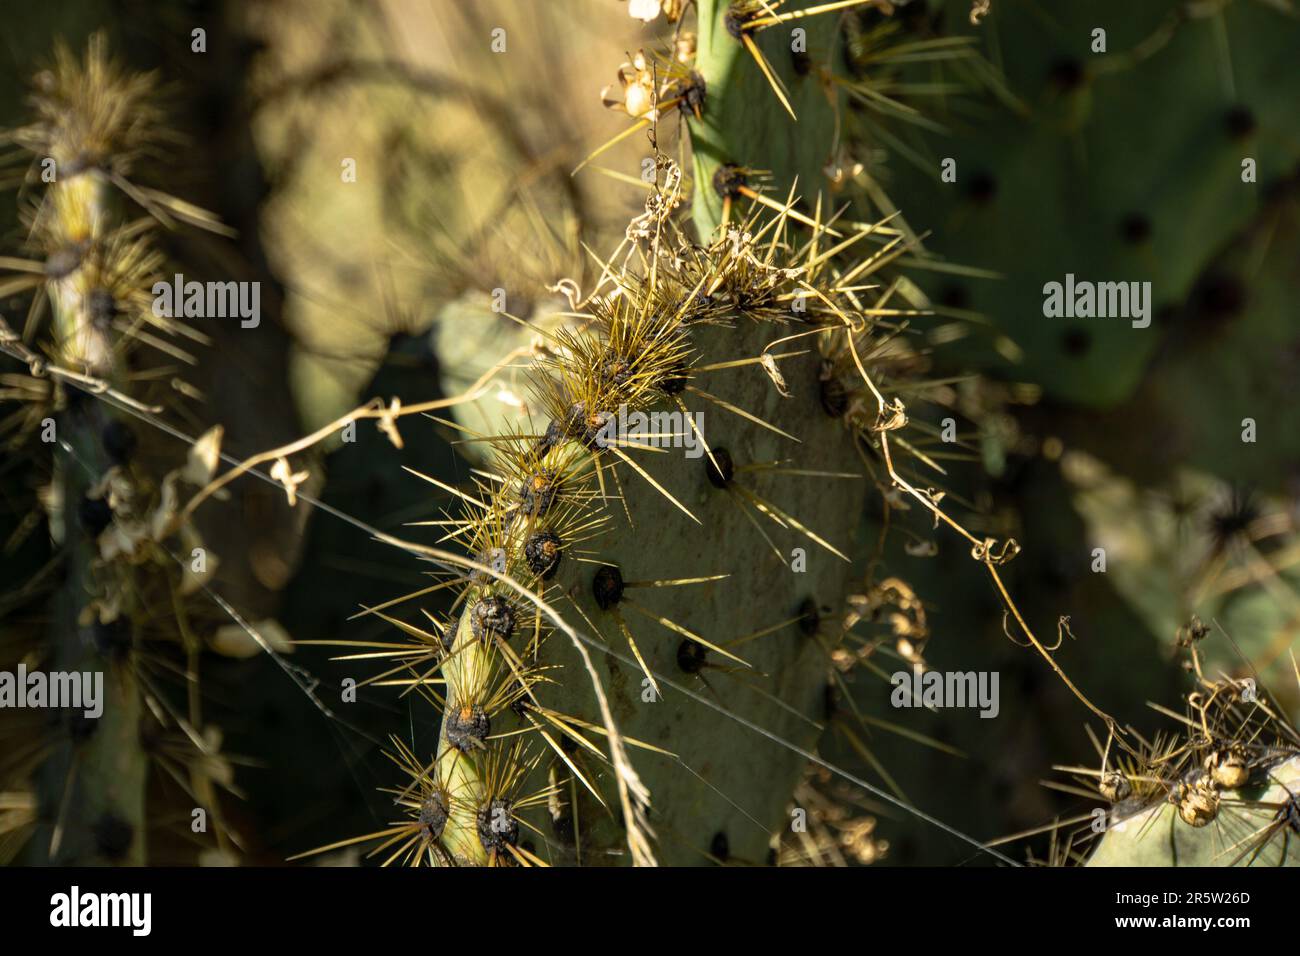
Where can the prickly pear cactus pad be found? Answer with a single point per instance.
(1224, 795)
(648, 433)
(1081, 175)
(1172, 834)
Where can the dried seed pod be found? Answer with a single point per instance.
(1228, 768)
(1114, 787)
(1197, 799)
(1195, 632)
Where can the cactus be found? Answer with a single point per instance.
(567, 522)
(92, 121)
(1220, 306)
(1259, 832)
(640, 648)
(1223, 792)
(547, 484)
(665, 321)
(83, 143)
(1051, 181)
(1142, 200)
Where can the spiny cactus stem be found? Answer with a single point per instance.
(100, 815)
(743, 121)
(467, 672)
(77, 206)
